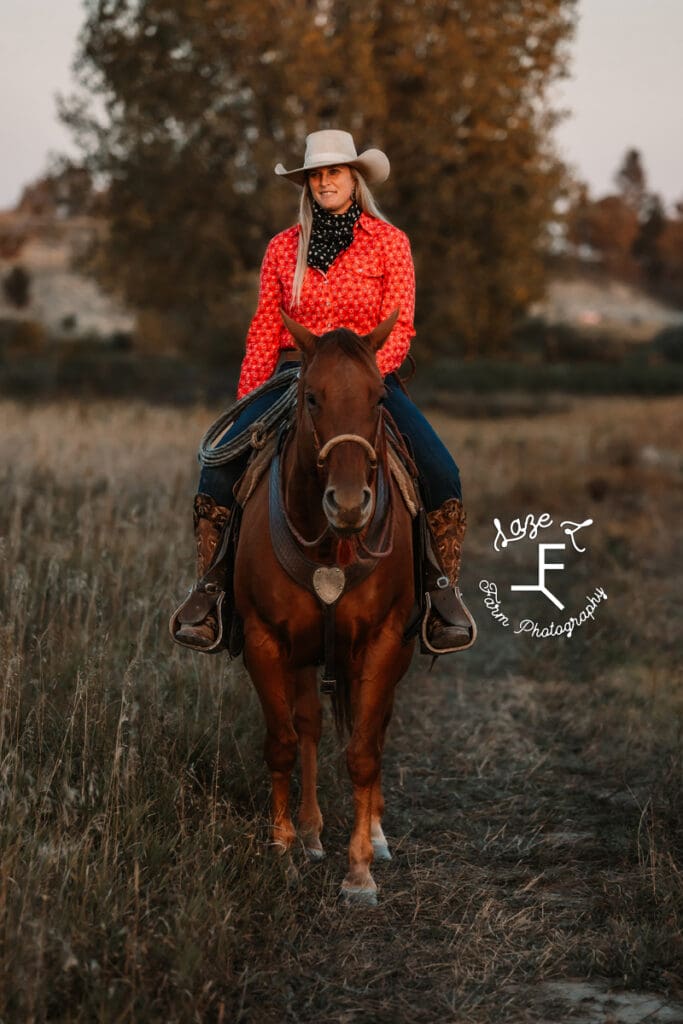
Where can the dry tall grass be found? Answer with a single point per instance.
(533, 789)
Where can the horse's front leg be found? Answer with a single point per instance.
(275, 685)
(308, 724)
(363, 762)
(372, 695)
(380, 846)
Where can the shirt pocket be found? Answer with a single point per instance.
(367, 267)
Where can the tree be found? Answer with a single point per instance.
(623, 230)
(631, 181)
(67, 191)
(17, 286)
(200, 98)
(607, 227)
(631, 233)
(646, 243)
(670, 252)
(464, 85)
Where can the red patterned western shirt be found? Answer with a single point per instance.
(366, 282)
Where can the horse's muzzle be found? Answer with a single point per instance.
(347, 515)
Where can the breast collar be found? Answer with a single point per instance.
(327, 583)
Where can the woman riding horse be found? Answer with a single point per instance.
(342, 265)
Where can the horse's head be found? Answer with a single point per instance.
(340, 396)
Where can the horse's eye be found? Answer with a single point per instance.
(310, 400)
(382, 398)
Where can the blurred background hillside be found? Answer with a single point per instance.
(132, 263)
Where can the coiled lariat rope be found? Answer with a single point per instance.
(255, 435)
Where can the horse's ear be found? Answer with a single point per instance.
(304, 338)
(381, 332)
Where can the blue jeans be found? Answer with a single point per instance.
(439, 475)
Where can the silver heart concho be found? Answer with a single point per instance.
(329, 582)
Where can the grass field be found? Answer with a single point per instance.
(533, 786)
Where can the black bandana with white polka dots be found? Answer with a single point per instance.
(331, 234)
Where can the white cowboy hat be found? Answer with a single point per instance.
(329, 148)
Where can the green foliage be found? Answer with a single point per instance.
(534, 340)
(92, 368)
(199, 100)
(669, 343)
(114, 370)
(633, 376)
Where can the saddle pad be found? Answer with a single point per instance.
(404, 481)
(258, 465)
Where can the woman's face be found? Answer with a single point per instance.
(332, 188)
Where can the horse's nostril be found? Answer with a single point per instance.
(367, 498)
(330, 498)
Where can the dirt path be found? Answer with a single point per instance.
(524, 884)
(533, 811)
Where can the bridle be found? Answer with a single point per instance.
(325, 449)
(322, 455)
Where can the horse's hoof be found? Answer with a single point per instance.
(313, 855)
(380, 851)
(355, 895)
(281, 849)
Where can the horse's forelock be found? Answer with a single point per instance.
(349, 344)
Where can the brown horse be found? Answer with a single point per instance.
(334, 481)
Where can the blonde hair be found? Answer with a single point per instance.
(365, 200)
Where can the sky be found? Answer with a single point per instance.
(624, 91)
